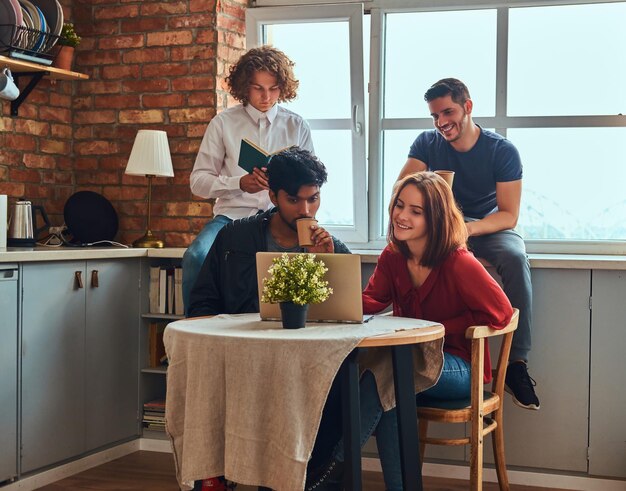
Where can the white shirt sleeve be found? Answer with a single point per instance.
(207, 178)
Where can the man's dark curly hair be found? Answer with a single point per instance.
(293, 168)
(264, 58)
(448, 86)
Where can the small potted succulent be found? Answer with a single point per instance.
(68, 41)
(295, 282)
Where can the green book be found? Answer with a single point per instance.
(251, 155)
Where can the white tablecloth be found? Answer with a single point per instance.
(245, 397)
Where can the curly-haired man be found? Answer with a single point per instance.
(260, 79)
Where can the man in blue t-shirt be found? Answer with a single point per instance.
(488, 187)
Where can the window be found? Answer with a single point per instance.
(549, 77)
(326, 44)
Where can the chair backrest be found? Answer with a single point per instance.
(478, 334)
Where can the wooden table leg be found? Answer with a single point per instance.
(351, 422)
(407, 417)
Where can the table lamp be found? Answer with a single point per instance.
(150, 157)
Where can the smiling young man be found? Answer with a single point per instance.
(260, 79)
(488, 188)
(227, 281)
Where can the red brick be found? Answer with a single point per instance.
(84, 133)
(142, 116)
(123, 71)
(38, 161)
(57, 114)
(121, 133)
(198, 20)
(113, 12)
(96, 147)
(146, 86)
(194, 209)
(206, 99)
(108, 101)
(192, 53)
(203, 67)
(60, 100)
(33, 192)
(148, 55)
(21, 142)
(232, 10)
(100, 28)
(11, 189)
(193, 83)
(233, 39)
(61, 131)
(231, 24)
(6, 124)
(86, 163)
(19, 175)
(32, 127)
(99, 178)
(144, 24)
(115, 162)
(121, 42)
(96, 87)
(191, 115)
(57, 178)
(169, 38)
(164, 69)
(94, 117)
(160, 8)
(82, 103)
(99, 58)
(165, 100)
(196, 130)
(202, 5)
(185, 146)
(54, 146)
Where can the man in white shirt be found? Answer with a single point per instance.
(260, 79)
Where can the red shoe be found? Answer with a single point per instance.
(214, 484)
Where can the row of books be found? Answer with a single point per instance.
(154, 415)
(166, 290)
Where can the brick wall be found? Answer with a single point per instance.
(152, 65)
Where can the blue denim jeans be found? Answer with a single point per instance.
(454, 383)
(196, 253)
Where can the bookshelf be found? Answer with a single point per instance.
(152, 374)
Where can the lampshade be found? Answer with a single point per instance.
(150, 155)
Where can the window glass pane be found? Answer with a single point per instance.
(572, 191)
(334, 149)
(567, 60)
(396, 145)
(321, 52)
(423, 47)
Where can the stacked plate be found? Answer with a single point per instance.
(31, 25)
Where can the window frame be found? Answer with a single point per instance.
(373, 166)
(256, 19)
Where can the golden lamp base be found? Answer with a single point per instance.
(149, 241)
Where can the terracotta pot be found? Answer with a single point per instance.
(293, 315)
(64, 58)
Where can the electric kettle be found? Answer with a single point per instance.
(22, 231)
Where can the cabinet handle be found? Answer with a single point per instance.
(78, 279)
(94, 279)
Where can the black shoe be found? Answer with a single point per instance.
(325, 478)
(521, 386)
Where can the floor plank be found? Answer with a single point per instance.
(154, 471)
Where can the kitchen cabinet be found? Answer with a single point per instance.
(79, 357)
(607, 430)
(8, 371)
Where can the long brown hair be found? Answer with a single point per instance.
(445, 227)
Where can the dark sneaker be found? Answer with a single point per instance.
(521, 386)
(325, 478)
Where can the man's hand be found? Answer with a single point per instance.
(254, 182)
(322, 240)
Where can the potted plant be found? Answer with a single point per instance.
(68, 41)
(295, 282)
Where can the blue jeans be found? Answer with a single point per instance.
(196, 253)
(454, 383)
(506, 251)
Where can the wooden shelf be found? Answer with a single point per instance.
(36, 71)
(21, 66)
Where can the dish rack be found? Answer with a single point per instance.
(29, 44)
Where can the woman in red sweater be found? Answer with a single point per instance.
(425, 272)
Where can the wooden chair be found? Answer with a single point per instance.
(476, 409)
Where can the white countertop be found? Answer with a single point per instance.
(24, 254)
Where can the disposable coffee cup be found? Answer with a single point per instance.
(304, 231)
(8, 89)
(447, 175)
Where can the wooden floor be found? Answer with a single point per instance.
(154, 471)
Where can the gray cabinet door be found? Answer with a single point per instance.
(112, 350)
(607, 430)
(8, 372)
(555, 437)
(53, 352)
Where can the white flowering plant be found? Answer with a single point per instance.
(298, 278)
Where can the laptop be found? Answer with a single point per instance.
(343, 276)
